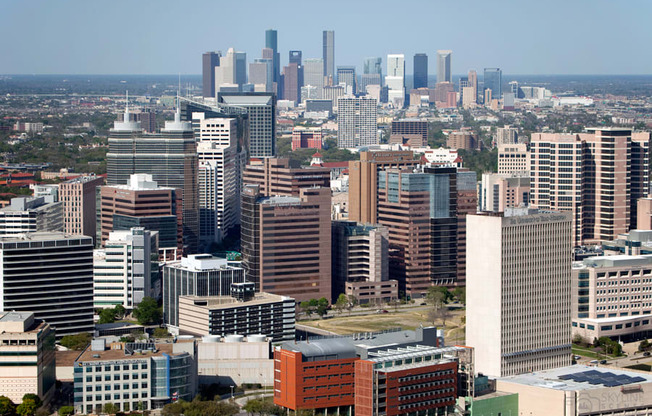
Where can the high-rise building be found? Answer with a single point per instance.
(313, 74)
(142, 203)
(78, 198)
(31, 214)
(598, 176)
(210, 60)
(356, 121)
(373, 65)
(27, 355)
(499, 191)
(412, 132)
(346, 75)
(333, 92)
(274, 176)
(291, 85)
(368, 79)
(261, 72)
(420, 79)
(466, 203)
(51, 275)
(329, 53)
(261, 111)
(444, 73)
(518, 316)
(170, 157)
(225, 73)
(463, 139)
(507, 135)
(395, 79)
(473, 83)
(126, 270)
(286, 242)
(271, 42)
(493, 81)
(513, 158)
(240, 68)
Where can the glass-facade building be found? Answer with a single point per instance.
(493, 80)
(420, 71)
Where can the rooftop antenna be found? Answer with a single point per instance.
(126, 116)
(177, 114)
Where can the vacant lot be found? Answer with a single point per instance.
(406, 318)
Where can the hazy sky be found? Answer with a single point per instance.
(168, 37)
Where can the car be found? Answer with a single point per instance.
(577, 357)
(594, 361)
(646, 354)
(385, 311)
(423, 304)
(603, 361)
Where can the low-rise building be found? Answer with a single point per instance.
(27, 363)
(306, 137)
(31, 214)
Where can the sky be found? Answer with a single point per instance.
(168, 37)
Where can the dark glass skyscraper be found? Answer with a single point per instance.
(420, 70)
(493, 80)
(209, 61)
(346, 74)
(271, 42)
(329, 53)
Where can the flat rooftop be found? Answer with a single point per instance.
(224, 302)
(578, 377)
(108, 355)
(41, 236)
(620, 260)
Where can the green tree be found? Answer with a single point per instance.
(110, 408)
(161, 333)
(66, 410)
(341, 303)
(76, 342)
(27, 408)
(353, 302)
(7, 407)
(32, 396)
(120, 311)
(459, 293)
(173, 409)
(253, 406)
(148, 311)
(107, 316)
(322, 307)
(644, 345)
(307, 308)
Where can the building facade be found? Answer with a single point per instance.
(261, 111)
(31, 214)
(329, 53)
(499, 191)
(411, 132)
(444, 73)
(356, 122)
(513, 158)
(420, 68)
(306, 137)
(78, 199)
(274, 176)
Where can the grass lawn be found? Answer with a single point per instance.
(588, 353)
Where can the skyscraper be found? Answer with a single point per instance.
(444, 66)
(271, 42)
(79, 202)
(291, 86)
(210, 60)
(240, 68)
(346, 75)
(420, 70)
(493, 80)
(373, 65)
(356, 121)
(518, 291)
(313, 74)
(395, 79)
(261, 72)
(230, 70)
(261, 110)
(329, 53)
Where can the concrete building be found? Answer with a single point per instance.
(580, 390)
(291, 83)
(634, 243)
(313, 74)
(26, 357)
(507, 135)
(499, 191)
(143, 203)
(329, 53)
(444, 73)
(356, 122)
(261, 72)
(286, 242)
(333, 93)
(78, 199)
(126, 270)
(513, 158)
(31, 214)
(464, 139)
(346, 75)
(210, 60)
(368, 80)
(261, 111)
(360, 262)
(611, 297)
(49, 192)
(466, 202)
(442, 157)
(519, 291)
(306, 137)
(395, 79)
(170, 157)
(57, 285)
(134, 376)
(411, 132)
(363, 181)
(196, 275)
(244, 312)
(609, 172)
(235, 360)
(643, 214)
(274, 176)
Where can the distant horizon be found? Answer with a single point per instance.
(480, 74)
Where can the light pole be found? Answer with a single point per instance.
(232, 393)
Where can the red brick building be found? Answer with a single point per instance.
(306, 137)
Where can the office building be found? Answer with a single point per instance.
(50, 193)
(219, 185)
(313, 74)
(286, 242)
(134, 376)
(518, 291)
(226, 74)
(261, 73)
(271, 42)
(473, 83)
(126, 270)
(210, 61)
(603, 188)
(346, 75)
(142, 203)
(410, 132)
(466, 202)
(499, 191)
(395, 79)
(363, 181)
(442, 91)
(51, 275)
(27, 357)
(463, 139)
(420, 79)
(261, 112)
(442, 157)
(274, 176)
(373, 65)
(513, 158)
(329, 53)
(493, 81)
(356, 122)
(31, 214)
(444, 73)
(170, 157)
(306, 137)
(507, 135)
(360, 262)
(643, 214)
(333, 93)
(77, 197)
(254, 313)
(291, 84)
(195, 275)
(367, 80)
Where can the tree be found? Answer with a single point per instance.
(32, 396)
(7, 407)
(342, 303)
(306, 308)
(110, 408)
(27, 408)
(353, 302)
(148, 311)
(322, 307)
(66, 410)
(460, 294)
(161, 333)
(120, 311)
(107, 316)
(644, 345)
(173, 409)
(253, 406)
(76, 342)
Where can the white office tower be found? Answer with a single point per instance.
(395, 80)
(232, 72)
(444, 66)
(219, 189)
(124, 272)
(518, 288)
(356, 121)
(313, 74)
(261, 74)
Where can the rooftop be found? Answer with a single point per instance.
(41, 236)
(119, 354)
(279, 199)
(223, 302)
(620, 260)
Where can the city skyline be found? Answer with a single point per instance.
(63, 41)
